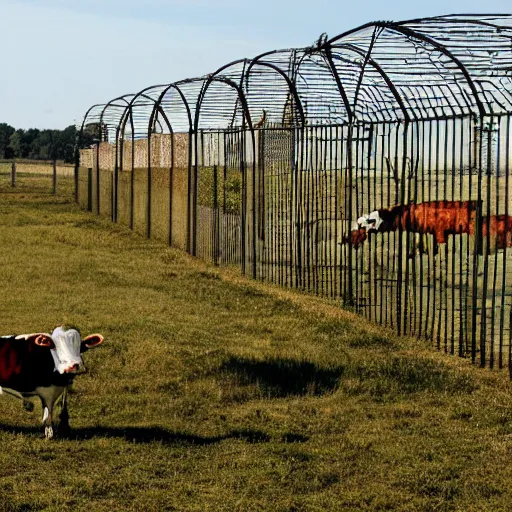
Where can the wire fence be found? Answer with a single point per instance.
(54, 177)
(372, 168)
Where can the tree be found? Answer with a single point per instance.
(44, 144)
(15, 143)
(5, 134)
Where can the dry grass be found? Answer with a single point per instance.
(213, 392)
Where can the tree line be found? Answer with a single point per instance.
(38, 144)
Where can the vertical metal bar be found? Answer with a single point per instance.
(427, 331)
(171, 188)
(192, 155)
(307, 211)
(380, 240)
(335, 171)
(333, 238)
(416, 250)
(469, 310)
(243, 170)
(254, 209)
(462, 282)
(403, 258)
(344, 214)
(423, 249)
(497, 248)
(195, 189)
(386, 243)
(316, 220)
(226, 232)
(349, 295)
(262, 209)
(399, 284)
(478, 241)
(370, 304)
(397, 237)
(132, 177)
(358, 211)
(216, 231)
(377, 267)
(149, 188)
(453, 241)
(438, 255)
(505, 250)
(299, 206)
(291, 205)
(115, 184)
(444, 272)
(89, 189)
(487, 245)
(98, 181)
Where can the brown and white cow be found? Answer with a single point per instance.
(44, 365)
(438, 218)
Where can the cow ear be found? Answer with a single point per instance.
(91, 341)
(44, 340)
(39, 338)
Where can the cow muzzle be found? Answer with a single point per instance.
(75, 369)
(72, 369)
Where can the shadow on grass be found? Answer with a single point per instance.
(279, 378)
(143, 435)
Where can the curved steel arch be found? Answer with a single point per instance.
(401, 28)
(176, 87)
(383, 74)
(291, 86)
(220, 79)
(441, 48)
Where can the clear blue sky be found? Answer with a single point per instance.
(62, 56)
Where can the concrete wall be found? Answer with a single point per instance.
(161, 153)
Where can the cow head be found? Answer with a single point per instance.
(68, 347)
(365, 224)
(369, 222)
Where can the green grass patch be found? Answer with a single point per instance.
(213, 392)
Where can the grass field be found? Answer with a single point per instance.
(216, 393)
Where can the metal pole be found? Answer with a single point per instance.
(89, 189)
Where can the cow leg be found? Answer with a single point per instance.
(49, 397)
(63, 415)
(47, 420)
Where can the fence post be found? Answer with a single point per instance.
(54, 181)
(13, 174)
(216, 217)
(89, 189)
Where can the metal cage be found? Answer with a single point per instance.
(372, 168)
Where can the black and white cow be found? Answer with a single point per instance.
(44, 365)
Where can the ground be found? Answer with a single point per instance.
(213, 392)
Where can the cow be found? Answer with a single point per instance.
(44, 365)
(438, 218)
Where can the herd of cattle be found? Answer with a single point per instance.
(44, 365)
(437, 218)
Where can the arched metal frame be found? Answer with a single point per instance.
(399, 96)
(469, 68)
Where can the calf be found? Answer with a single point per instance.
(44, 365)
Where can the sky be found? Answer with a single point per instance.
(62, 56)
